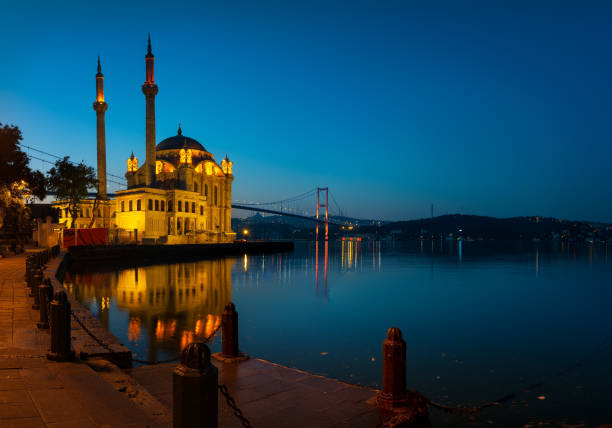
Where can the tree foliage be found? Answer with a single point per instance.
(19, 184)
(71, 182)
(14, 164)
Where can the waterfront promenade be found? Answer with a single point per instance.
(35, 392)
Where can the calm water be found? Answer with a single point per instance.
(480, 320)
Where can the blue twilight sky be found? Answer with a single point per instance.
(492, 108)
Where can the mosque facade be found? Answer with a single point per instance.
(179, 195)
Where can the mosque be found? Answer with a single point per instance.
(179, 195)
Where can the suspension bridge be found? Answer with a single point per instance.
(299, 206)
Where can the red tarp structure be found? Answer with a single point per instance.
(95, 236)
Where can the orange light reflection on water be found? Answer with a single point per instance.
(134, 328)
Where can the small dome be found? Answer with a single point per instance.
(178, 142)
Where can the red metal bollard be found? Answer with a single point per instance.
(230, 353)
(393, 394)
(36, 295)
(194, 389)
(37, 278)
(229, 325)
(45, 291)
(59, 318)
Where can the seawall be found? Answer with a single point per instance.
(172, 253)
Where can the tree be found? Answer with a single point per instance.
(19, 184)
(70, 182)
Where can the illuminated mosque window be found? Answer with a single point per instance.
(169, 206)
(138, 205)
(122, 206)
(201, 210)
(215, 196)
(193, 207)
(180, 206)
(186, 156)
(206, 190)
(162, 205)
(156, 205)
(150, 205)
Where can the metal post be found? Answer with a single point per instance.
(30, 268)
(229, 325)
(60, 328)
(45, 291)
(393, 394)
(37, 277)
(36, 293)
(194, 389)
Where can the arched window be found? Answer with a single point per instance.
(206, 190)
(215, 197)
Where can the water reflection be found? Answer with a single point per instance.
(325, 266)
(168, 306)
(295, 306)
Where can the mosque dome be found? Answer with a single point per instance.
(179, 141)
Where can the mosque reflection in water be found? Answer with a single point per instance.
(157, 310)
(168, 306)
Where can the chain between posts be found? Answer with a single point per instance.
(93, 336)
(222, 388)
(232, 404)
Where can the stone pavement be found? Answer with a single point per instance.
(270, 395)
(35, 392)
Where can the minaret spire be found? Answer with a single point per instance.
(100, 107)
(149, 89)
(149, 53)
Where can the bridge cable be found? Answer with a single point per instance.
(51, 163)
(290, 199)
(336, 203)
(57, 157)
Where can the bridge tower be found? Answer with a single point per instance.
(319, 206)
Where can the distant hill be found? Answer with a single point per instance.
(472, 226)
(485, 227)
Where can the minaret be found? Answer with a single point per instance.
(149, 89)
(100, 107)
